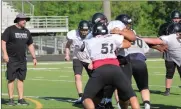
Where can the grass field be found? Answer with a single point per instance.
(51, 86)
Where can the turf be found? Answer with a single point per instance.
(52, 85)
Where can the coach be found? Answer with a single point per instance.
(15, 40)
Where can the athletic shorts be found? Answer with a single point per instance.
(125, 64)
(171, 66)
(140, 74)
(78, 67)
(16, 69)
(108, 75)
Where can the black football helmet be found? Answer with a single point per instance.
(175, 15)
(83, 28)
(174, 28)
(99, 17)
(125, 19)
(99, 29)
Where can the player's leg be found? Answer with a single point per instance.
(93, 86)
(107, 90)
(89, 71)
(11, 76)
(170, 69)
(126, 66)
(21, 75)
(77, 68)
(125, 91)
(117, 98)
(140, 74)
(179, 71)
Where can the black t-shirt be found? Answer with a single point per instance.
(16, 41)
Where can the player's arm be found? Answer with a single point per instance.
(128, 34)
(120, 41)
(67, 49)
(153, 41)
(161, 48)
(126, 44)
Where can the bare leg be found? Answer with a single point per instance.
(20, 88)
(10, 89)
(88, 104)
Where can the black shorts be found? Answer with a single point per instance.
(125, 64)
(78, 67)
(16, 69)
(170, 68)
(108, 75)
(140, 74)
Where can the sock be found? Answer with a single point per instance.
(167, 89)
(148, 102)
(80, 94)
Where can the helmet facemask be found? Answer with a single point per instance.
(83, 32)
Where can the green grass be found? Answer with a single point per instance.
(53, 86)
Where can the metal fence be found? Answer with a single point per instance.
(39, 24)
(54, 45)
(46, 45)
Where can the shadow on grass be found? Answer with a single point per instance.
(163, 106)
(64, 99)
(158, 92)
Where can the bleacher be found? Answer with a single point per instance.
(38, 24)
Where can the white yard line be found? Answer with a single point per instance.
(69, 81)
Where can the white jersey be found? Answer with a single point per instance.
(138, 46)
(76, 44)
(174, 48)
(103, 47)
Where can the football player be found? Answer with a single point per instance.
(172, 57)
(137, 60)
(106, 67)
(80, 59)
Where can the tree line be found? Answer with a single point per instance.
(146, 15)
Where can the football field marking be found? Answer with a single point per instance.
(29, 98)
(37, 103)
(69, 81)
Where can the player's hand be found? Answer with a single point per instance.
(115, 31)
(6, 58)
(90, 66)
(179, 36)
(67, 57)
(34, 62)
(162, 48)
